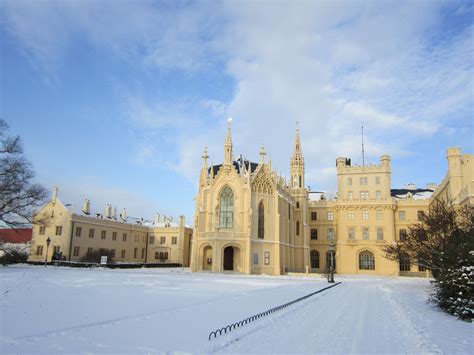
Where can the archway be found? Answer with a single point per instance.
(207, 258)
(229, 258)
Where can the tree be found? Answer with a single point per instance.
(18, 195)
(444, 242)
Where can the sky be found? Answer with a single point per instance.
(115, 100)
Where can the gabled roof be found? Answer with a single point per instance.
(237, 163)
(20, 235)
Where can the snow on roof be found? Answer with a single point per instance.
(416, 194)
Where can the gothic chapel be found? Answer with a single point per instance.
(247, 219)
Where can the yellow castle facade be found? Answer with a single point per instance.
(249, 219)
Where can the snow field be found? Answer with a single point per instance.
(65, 310)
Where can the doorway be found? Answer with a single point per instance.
(229, 258)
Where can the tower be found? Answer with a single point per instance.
(297, 164)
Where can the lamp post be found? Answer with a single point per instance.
(48, 241)
(331, 268)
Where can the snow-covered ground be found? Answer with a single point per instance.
(53, 310)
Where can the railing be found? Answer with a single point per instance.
(248, 320)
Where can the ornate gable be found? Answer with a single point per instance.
(262, 182)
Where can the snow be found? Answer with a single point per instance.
(56, 310)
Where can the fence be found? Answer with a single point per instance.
(265, 313)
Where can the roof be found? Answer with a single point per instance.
(237, 163)
(20, 235)
(417, 194)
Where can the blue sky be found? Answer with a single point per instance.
(115, 100)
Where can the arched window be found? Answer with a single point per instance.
(366, 260)
(297, 204)
(297, 227)
(261, 221)
(330, 256)
(226, 208)
(314, 259)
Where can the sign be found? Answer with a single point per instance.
(103, 260)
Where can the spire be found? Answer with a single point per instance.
(204, 169)
(297, 163)
(228, 145)
(204, 158)
(297, 149)
(262, 154)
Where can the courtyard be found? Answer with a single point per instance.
(65, 310)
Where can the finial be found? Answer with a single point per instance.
(297, 126)
(262, 154)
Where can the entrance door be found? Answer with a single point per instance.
(229, 258)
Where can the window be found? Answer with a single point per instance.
(135, 253)
(314, 259)
(39, 250)
(56, 249)
(151, 240)
(165, 256)
(143, 253)
(174, 240)
(330, 259)
(421, 215)
(401, 216)
(91, 233)
(365, 233)
(89, 251)
(330, 216)
(378, 195)
(364, 195)
(402, 234)
(76, 251)
(59, 230)
(379, 233)
(349, 181)
(330, 234)
(123, 253)
(52, 214)
(351, 214)
(366, 260)
(297, 227)
(297, 204)
(377, 180)
(78, 231)
(112, 253)
(266, 258)
(314, 216)
(349, 195)
(226, 208)
(289, 211)
(157, 255)
(114, 235)
(314, 233)
(365, 215)
(379, 215)
(103, 234)
(351, 233)
(162, 240)
(404, 263)
(261, 221)
(42, 230)
(363, 181)
(124, 237)
(255, 259)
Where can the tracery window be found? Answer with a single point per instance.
(314, 259)
(226, 208)
(261, 221)
(366, 260)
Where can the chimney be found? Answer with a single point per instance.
(410, 186)
(124, 215)
(86, 207)
(108, 211)
(157, 218)
(115, 213)
(181, 220)
(55, 194)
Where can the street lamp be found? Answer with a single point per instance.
(48, 242)
(331, 268)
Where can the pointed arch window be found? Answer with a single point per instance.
(314, 259)
(366, 260)
(261, 221)
(226, 208)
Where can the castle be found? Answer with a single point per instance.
(248, 219)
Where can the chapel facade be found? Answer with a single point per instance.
(249, 219)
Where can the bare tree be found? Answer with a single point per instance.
(18, 195)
